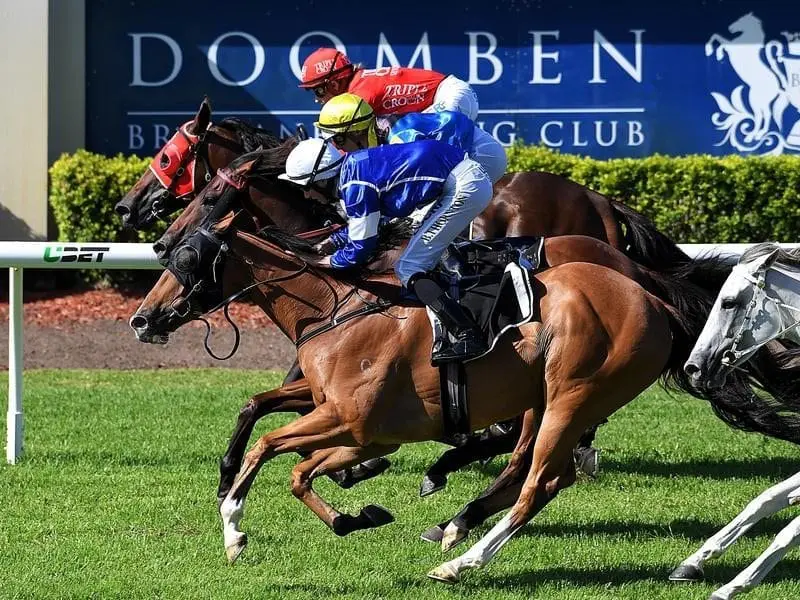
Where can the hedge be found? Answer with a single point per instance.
(696, 198)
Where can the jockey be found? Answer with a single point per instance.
(393, 181)
(351, 124)
(389, 90)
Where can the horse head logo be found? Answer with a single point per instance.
(767, 72)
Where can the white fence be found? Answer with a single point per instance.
(17, 256)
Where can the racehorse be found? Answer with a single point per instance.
(531, 203)
(692, 300)
(759, 303)
(573, 366)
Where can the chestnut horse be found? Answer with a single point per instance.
(532, 203)
(572, 367)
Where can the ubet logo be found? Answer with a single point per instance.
(67, 254)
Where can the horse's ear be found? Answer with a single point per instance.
(773, 256)
(245, 167)
(203, 117)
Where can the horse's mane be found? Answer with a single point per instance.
(786, 257)
(251, 137)
(270, 161)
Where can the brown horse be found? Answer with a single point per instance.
(573, 366)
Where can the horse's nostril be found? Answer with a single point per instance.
(122, 210)
(139, 322)
(160, 248)
(691, 369)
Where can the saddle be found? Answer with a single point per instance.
(491, 279)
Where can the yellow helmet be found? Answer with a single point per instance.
(345, 113)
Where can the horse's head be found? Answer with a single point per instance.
(743, 318)
(245, 196)
(193, 250)
(748, 23)
(183, 167)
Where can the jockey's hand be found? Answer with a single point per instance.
(325, 247)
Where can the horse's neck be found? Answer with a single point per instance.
(784, 284)
(304, 298)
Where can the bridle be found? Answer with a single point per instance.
(179, 183)
(736, 355)
(206, 251)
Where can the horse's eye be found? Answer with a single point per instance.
(164, 161)
(729, 303)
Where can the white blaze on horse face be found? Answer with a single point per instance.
(725, 316)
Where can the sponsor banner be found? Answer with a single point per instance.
(677, 78)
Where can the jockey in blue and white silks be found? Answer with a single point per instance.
(350, 123)
(394, 181)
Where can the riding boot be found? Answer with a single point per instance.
(469, 341)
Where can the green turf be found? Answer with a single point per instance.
(116, 499)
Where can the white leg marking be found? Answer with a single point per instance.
(231, 512)
(479, 555)
(751, 576)
(767, 503)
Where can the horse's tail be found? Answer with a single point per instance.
(645, 243)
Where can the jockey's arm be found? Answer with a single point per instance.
(362, 205)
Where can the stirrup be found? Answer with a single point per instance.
(468, 346)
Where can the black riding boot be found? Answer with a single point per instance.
(469, 341)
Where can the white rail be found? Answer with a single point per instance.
(17, 256)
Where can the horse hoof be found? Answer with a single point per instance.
(234, 550)
(431, 485)
(587, 460)
(687, 572)
(445, 572)
(433, 535)
(375, 515)
(453, 536)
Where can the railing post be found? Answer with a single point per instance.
(14, 434)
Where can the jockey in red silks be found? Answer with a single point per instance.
(388, 90)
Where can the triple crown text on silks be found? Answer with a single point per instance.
(69, 254)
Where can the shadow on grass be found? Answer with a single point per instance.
(726, 468)
(618, 576)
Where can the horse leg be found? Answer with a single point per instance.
(291, 397)
(335, 459)
(295, 397)
(765, 504)
(751, 576)
(295, 373)
(552, 470)
(501, 494)
(322, 428)
(485, 446)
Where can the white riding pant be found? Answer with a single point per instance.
(456, 95)
(467, 191)
(489, 153)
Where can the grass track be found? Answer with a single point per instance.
(116, 499)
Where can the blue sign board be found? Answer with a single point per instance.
(621, 79)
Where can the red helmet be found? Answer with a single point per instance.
(322, 65)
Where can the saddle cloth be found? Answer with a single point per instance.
(491, 279)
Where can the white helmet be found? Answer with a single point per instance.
(312, 160)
